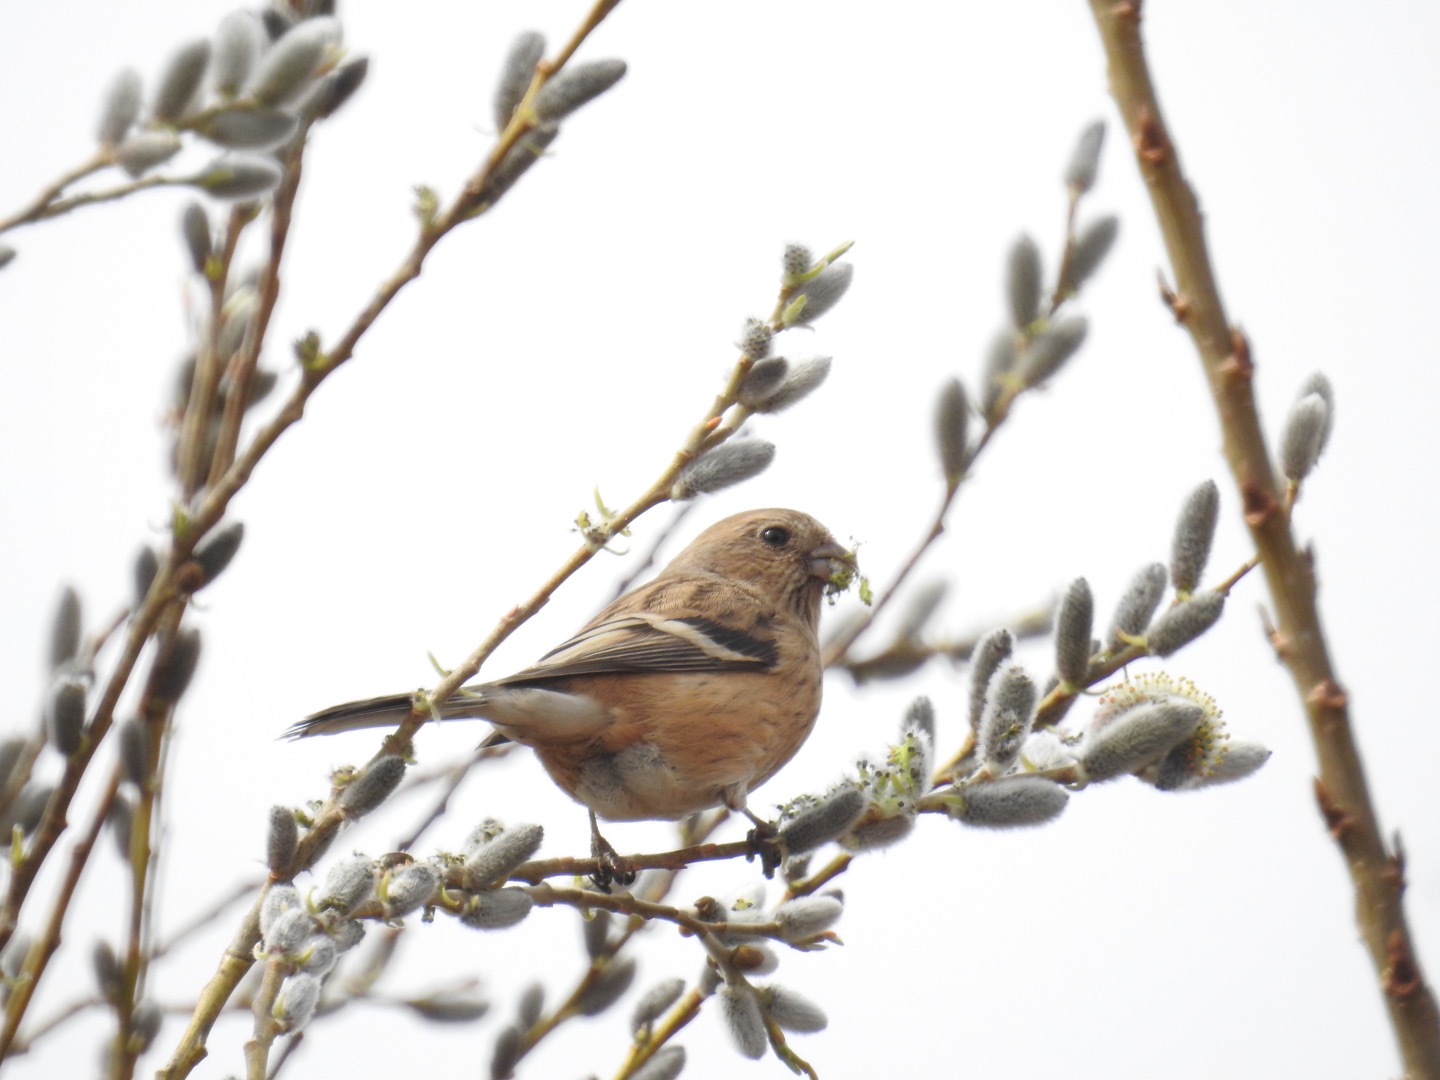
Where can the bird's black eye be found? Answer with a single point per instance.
(777, 536)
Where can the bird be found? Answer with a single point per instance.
(686, 693)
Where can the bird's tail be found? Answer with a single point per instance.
(387, 711)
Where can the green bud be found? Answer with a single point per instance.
(372, 785)
(743, 1017)
(574, 86)
(295, 1004)
(952, 421)
(1073, 625)
(121, 820)
(1023, 283)
(1012, 802)
(792, 1012)
(249, 129)
(516, 74)
(1000, 361)
(135, 751)
(1085, 159)
(1046, 353)
(294, 60)
(180, 79)
(820, 294)
(665, 1064)
(279, 898)
(654, 1002)
(515, 164)
(1194, 533)
(238, 42)
(796, 260)
(497, 910)
(348, 884)
(29, 807)
(992, 651)
(147, 565)
(763, 380)
(1138, 737)
(174, 668)
(238, 177)
(806, 917)
(195, 229)
(65, 713)
(532, 1006)
(408, 888)
(122, 106)
(1304, 434)
(1091, 246)
(494, 855)
(282, 838)
(804, 376)
(755, 342)
(65, 629)
(213, 554)
(449, 1007)
(1319, 384)
(608, 986)
(335, 89)
(506, 1053)
(1009, 712)
(596, 930)
(1179, 625)
(142, 151)
(145, 1023)
(1137, 606)
(728, 464)
(107, 970)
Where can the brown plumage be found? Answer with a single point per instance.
(683, 694)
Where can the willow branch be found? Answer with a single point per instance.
(1376, 872)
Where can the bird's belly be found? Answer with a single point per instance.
(638, 784)
(728, 734)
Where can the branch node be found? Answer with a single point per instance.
(1401, 977)
(1239, 364)
(1179, 306)
(1259, 503)
(1152, 146)
(1328, 695)
(1336, 820)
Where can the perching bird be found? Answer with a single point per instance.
(686, 693)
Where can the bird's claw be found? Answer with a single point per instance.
(612, 869)
(764, 843)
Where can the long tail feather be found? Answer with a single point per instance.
(386, 711)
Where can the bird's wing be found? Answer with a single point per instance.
(641, 642)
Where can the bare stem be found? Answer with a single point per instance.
(44, 947)
(37, 210)
(1376, 872)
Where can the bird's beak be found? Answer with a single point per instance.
(832, 563)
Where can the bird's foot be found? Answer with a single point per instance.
(764, 843)
(612, 869)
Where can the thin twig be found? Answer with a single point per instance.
(36, 211)
(43, 948)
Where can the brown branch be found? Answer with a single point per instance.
(45, 946)
(1225, 357)
(242, 370)
(41, 204)
(538, 870)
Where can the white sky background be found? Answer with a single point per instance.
(570, 338)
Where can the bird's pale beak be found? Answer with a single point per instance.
(832, 563)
